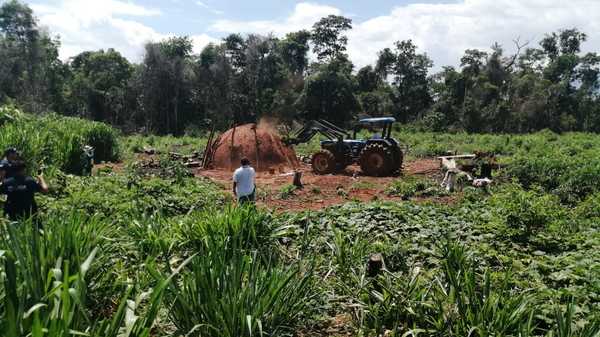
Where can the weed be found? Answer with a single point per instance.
(287, 191)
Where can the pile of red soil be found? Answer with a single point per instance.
(259, 143)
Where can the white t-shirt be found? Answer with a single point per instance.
(244, 179)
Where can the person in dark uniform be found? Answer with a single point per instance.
(11, 155)
(20, 190)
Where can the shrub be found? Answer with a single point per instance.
(524, 212)
(58, 142)
(234, 286)
(409, 187)
(459, 301)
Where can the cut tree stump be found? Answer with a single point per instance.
(375, 265)
(298, 179)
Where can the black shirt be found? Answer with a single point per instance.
(20, 192)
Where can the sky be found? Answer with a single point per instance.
(443, 29)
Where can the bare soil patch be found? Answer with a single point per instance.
(321, 191)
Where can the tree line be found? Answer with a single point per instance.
(552, 85)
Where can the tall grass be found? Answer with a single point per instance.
(234, 286)
(57, 141)
(460, 301)
(46, 278)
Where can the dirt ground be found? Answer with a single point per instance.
(322, 191)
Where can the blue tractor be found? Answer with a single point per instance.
(379, 155)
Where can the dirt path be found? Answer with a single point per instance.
(322, 191)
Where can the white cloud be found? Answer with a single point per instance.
(95, 24)
(209, 8)
(444, 31)
(303, 17)
(200, 41)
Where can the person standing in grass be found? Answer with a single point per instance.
(11, 155)
(244, 187)
(20, 190)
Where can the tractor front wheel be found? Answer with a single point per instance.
(376, 160)
(323, 162)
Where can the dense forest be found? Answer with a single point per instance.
(304, 75)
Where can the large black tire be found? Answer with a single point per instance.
(376, 160)
(398, 160)
(323, 162)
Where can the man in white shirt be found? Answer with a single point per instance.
(243, 183)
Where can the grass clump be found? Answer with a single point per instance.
(287, 191)
(56, 141)
(409, 187)
(235, 285)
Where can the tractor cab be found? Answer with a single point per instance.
(381, 124)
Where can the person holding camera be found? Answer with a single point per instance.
(20, 190)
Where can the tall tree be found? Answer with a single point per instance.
(408, 70)
(328, 37)
(294, 51)
(30, 73)
(99, 85)
(329, 94)
(166, 85)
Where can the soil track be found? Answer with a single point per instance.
(322, 191)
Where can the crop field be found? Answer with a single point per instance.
(162, 250)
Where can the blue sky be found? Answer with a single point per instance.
(441, 28)
(179, 14)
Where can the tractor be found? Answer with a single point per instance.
(379, 155)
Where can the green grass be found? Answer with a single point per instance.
(55, 141)
(157, 252)
(185, 145)
(408, 187)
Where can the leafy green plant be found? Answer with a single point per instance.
(234, 294)
(58, 142)
(566, 325)
(45, 288)
(526, 212)
(409, 187)
(460, 301)
(287, 191)
(234, 286)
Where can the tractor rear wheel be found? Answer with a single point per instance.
(376, 160)
(323, 162)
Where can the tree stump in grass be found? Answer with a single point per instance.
(375, 265)
(298, 179)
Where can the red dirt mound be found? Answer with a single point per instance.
(259, 143)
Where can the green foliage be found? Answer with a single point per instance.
(526, 212)
(45, 283)
(58, 141)
(233, 287)
(328, 39)
(328, 94)
(460, 301)
(553, 85)
(421, 285)
(408, 187)
(287, 191)
(120, 196)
